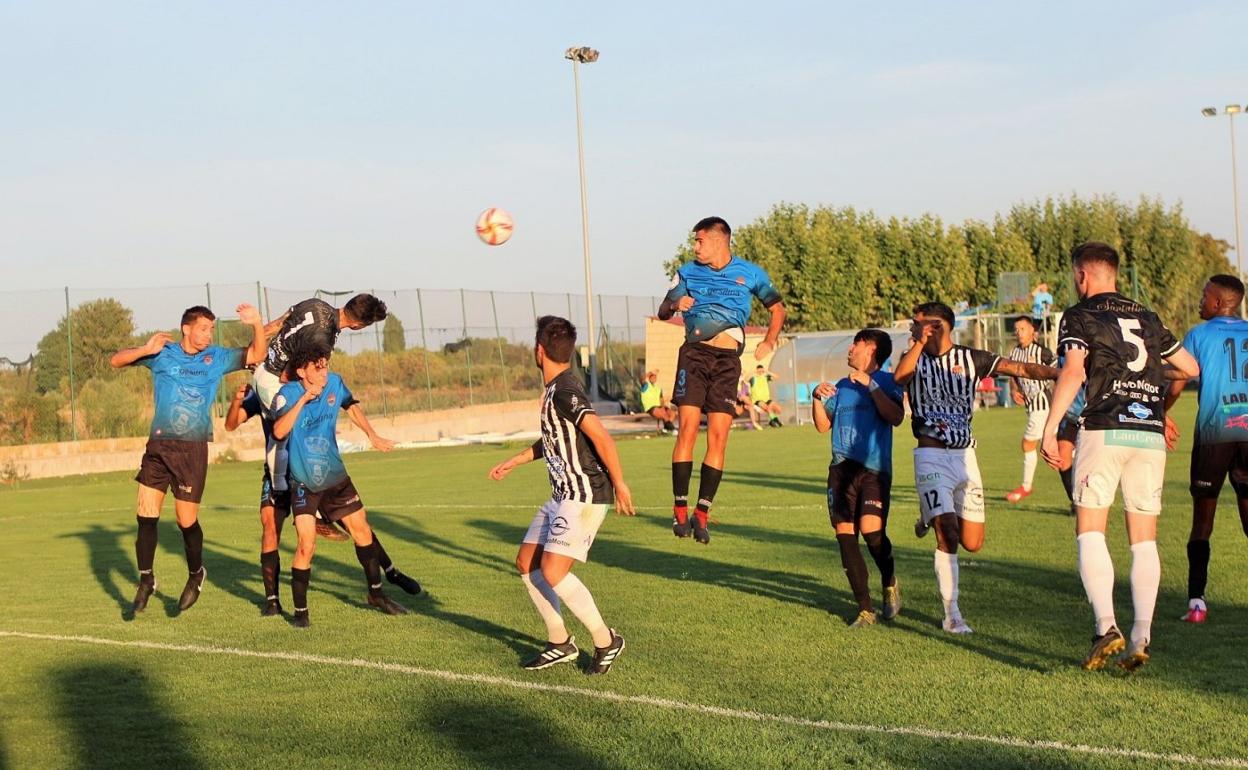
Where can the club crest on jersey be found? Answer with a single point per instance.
(558, 526)
(1238, 421)
(957, 369)
(1139, 411)
(332, 399)
(208, 360)
(741, 279)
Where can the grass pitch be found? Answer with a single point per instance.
(738, 653)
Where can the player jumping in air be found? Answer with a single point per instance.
(1117, 345)
(1220, 347)
(941, 378)
(861, 410)
(185, 376)
(584, 470)
(714, 294)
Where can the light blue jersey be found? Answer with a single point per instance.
(313, 441)
(721, 297)
(1220, 346)
(859, 433)
(185, 385)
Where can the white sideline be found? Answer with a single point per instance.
(646, 700)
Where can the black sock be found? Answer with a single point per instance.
(1068, 482)
(270, 570)
(682, 472)
(383, 558)
(367, 554)
(299, 579)
(708, 485)
(855, 570)
(193, 540)
(881, 549)
(145, 544)
(1197, 568)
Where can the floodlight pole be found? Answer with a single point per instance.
(1230, 111)
(578, 56)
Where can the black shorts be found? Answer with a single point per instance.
(271, 498)
(855, 490)
(335, 503)
(180, 465)
(1068, 431)
(706, 377)
(1211, 463)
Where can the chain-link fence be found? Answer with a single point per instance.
(437, 349)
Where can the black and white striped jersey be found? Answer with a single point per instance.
(576, 472)
(1037, 393)
(942, 394)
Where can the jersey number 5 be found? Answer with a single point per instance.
(1129, 327)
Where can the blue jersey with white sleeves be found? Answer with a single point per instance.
(1220, 346)
(313, 440)
(721, 298)
(859, 433)
(185, 385)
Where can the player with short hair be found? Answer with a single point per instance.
(1220, 347)
(185, 376)
(305, 414)
(1117, 346)
(653, 403)
(275, 505)
(941, 379)
(714, 294)
(861, 410)
(584, 470)
(760, 394)
(1032, 394)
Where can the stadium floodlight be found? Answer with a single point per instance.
(578, 56)
(1231, 110)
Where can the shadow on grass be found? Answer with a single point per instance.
(117, 720)
(409, 531)
(110, 563)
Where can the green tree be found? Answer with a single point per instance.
(100, 328)
(392, 337)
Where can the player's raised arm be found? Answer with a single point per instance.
(274, 326)
(919, 335)
(128, 356)
(818, 410)
(597, 434)
(288, 415)
(527, 455)
(250, 316)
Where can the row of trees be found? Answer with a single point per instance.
(843, 268)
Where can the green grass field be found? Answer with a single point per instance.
(738, 653)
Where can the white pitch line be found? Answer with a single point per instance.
(646, 700)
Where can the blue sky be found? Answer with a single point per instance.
(347, 145)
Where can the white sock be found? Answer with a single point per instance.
(947, 582)
(1096, 570)
(578, 599)
(547, 603)
(1145, 578)
(1029, 469)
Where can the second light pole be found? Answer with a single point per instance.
(579, 56)
(1231, 111)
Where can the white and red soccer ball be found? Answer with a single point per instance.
(494, 226)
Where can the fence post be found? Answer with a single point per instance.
(424, 344)
(463, 310)
(606, 341)
(381, 364)
(533, 304)
(260, 300)
(268, 313)
(502, 360)
(216, 337)
(628, 329)
(69, 344)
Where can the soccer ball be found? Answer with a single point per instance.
(494, 226)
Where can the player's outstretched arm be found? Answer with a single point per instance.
(1026, 371)
(819, 412)
(597, 434)
(250, 316)
(528, 455)
(235, 416)
(1068, 383)
(274, 326)
(356, 413)
(774, 325)
(150, 348)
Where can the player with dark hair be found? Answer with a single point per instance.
(275, 505)
(941, 378)
(714, 294)
(185, 376)
(1117, 346)
(584, 470)
(305, 411)
(861, 410)
(1220, 347)
(1032, 394)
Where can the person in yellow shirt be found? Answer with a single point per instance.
(654, 404)
(760, 392)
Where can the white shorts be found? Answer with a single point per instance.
(276, 456)
(266, 384)
(566, 527)
(948, 481)
(1035, 425)
(1108, 459)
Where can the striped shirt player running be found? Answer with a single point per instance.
(1034, 396)
(1118, 347)
(584, 471)
(714, 293)
(1220, 347)
(941, 378)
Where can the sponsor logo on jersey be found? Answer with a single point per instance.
(1235, 398)
(1141, 384)
(1238, 421)
(558, 526)
(1140, 411)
